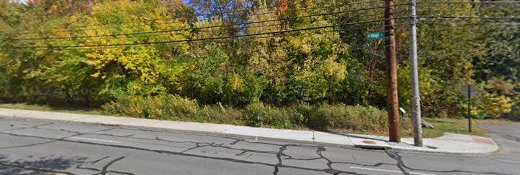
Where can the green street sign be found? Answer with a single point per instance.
(375, 35)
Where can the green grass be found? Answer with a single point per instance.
(73, 110)
(441, 126)
(458, 126)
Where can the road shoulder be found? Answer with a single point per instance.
(449, 143)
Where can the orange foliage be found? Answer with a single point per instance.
(284, 6)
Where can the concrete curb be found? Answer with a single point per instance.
(449, 143)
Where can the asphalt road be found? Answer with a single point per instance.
(49, 147)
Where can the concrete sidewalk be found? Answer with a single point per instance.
(449, 143)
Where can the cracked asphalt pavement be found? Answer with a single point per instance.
(29, 146)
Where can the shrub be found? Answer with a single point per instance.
(244, 88)
(176, 106)
(214, 78)
(354, 90)
(4, 85)
(160, 107)
(494, 105)
(217, 114)
(515, 112)
(324, 117)
(258, 114)
(341, 116)
(300, 114)
(289, 92)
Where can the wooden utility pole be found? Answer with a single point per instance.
(391, 73)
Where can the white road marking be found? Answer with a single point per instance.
(390, 171)
(92, 139)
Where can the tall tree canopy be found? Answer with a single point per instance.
(238, 52)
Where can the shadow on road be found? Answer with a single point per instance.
(38, 166)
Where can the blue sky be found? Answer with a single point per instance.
(23, 1)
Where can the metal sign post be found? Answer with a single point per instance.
(469, 91)
(469, 108)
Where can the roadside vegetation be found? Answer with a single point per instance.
(318, 117)
(53, 108)
(55, 53)
(454, 125)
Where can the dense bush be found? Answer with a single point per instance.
(515, 114)
(341, 116)
(219, 114)
(492, 106)
(4, 86)
(258, 114)
(214, 78)
(170, 107)
(281, 80)
(318, 117)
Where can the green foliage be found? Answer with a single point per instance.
(258, 114)
(4, 86)
(355, 118)
(515, 112)
(491, 105)
(220, 114)
(353, 90)
(91, 76)
(300, 114)
(454, 125)
(324, 117)
(281, 80)
(169, 107)
(214, 79)
(144, 69)
(502, 52)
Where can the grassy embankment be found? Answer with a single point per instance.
(282, 119)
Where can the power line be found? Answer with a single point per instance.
(179, 41)
(246, 23)
(212, 38)
(466, 2)
(470, 17)
(471, 24)
(248, 15)
(198, 39)
(321, 7)
(210, 27)
(437, 3)
(311, 8)
(257, 22)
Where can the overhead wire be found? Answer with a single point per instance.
(255, 34)
(245, 23)
(196, 39)
(455, 24)
(465, 2)
(209, 27)
(83, 29)
(470, 17)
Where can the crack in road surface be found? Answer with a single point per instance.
(280, 155)
(105, 168)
